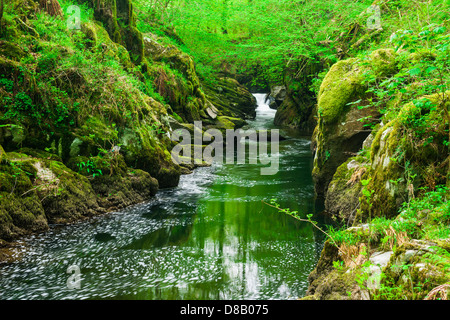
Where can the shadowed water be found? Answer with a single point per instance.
(209, 238)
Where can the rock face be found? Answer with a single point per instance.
(179, 84)
(380, 259)
(409, 273)
(393, 155)
(276, 96)
(344, 191)
(105, 126)
(341, 131)
(297, 108)
(231, 98)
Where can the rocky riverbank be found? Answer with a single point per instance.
(86, 115)
(385, 181)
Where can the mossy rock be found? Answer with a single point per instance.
(142, 151)
(341, 85)
(158, 50)
(328, 283)
(115, 184)
(299, 108)
(2, 154)
(109, 47)
(21, 211)
(63, 195)
(415, 264)
(175, 75)
(340, 133)
(12, 51)
(335, 143)
(231, 98)
(90, 32)
(231, 123)
(297, 114)
(383, 62)
(119, 186)
(343, 82)
(66, 195)
(342, 197)
(391, 183)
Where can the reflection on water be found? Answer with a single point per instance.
(209, 238)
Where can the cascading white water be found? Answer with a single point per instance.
(264, 114)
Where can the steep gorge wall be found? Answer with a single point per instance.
(79, 139)
(369, 172)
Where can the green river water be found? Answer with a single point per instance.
(209, 238)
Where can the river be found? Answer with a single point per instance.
(209, 238)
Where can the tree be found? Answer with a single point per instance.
(52, 7)
(1, 12)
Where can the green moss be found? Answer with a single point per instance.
(111, 49)
(12, 51)
(344, 190)
(2, 154)
(383, 62)
(231, 98)
(68, 195)
(340, 86)
(89, 30)
(21, 211)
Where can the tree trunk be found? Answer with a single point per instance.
(1, 12)
(52, 7)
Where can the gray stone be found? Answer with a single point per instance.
(381, 259)
(367, 144)
(353, 165)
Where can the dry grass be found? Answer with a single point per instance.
(439, 293)
(353, 255)
(356, 176)
(396, 238)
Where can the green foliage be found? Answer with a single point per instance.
(240, 36)
(90, 168)
(423, 69)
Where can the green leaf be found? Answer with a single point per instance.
(439, 30)
(430, 69)
(415, 71)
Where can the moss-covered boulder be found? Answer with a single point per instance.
(404, 154)
(115, 184)
(326, 282)
(37, 189)
(21, 211)
(2, 154)
(231, 98)
(174, 76)
(414, 270)
(61, 194)
(343, 119)
(98, 37)
(66, 195)
(344, 191)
